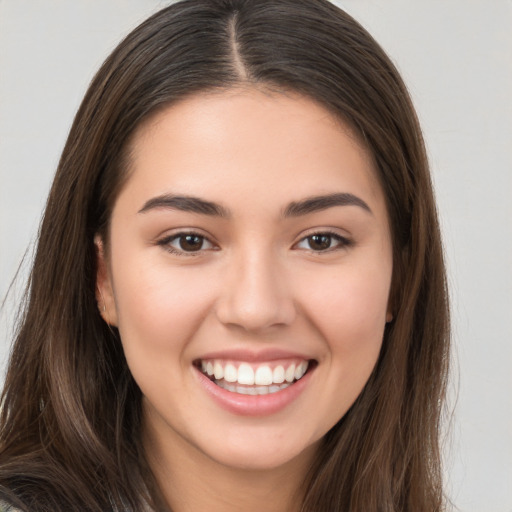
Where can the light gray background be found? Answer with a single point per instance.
(455, 55)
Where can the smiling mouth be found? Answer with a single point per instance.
(254, 379)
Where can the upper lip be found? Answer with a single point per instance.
(244, 354)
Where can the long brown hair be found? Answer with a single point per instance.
(71, 412)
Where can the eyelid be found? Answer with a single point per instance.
(343, 240)
(165, 241)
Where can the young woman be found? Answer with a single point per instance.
(238, 299)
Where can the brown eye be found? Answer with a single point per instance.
(319, 242)
(186, 243)
(190, 242)
(323, 242)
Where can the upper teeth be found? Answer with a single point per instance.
(248, 374)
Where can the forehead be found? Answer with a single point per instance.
(240, 141)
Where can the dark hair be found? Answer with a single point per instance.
(71, 412)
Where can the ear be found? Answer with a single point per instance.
(391, 306)
(104, 291)
(400, 263)
(391, 301)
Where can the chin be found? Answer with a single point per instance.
(261, 452)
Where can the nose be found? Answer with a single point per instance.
(255, 294)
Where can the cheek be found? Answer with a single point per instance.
(158, 308)
(350, 311)
(347, 309)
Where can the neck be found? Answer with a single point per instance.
(190, 481)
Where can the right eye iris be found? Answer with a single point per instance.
(190, 242)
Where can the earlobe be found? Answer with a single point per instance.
(104, 291)
(389, 317)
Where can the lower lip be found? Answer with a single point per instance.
(254, 405)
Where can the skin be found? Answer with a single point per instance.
(256, 282)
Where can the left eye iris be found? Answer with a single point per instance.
(323, 242)
(319, 242)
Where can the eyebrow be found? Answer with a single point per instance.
(185, 204)
(294, 209)
(317, 203)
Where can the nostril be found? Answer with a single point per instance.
(254, 296)
(251, 315)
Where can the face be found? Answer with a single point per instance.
(248, 271)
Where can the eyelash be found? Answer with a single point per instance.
(342, 242)
(165, 242)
